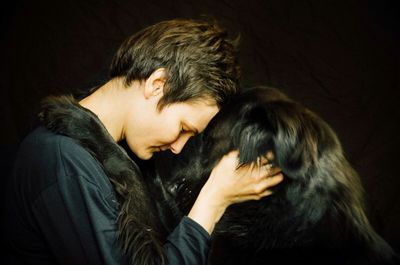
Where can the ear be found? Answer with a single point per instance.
(252, 134)
(154, 85)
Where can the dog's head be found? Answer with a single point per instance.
(304, 146)
(264, 119)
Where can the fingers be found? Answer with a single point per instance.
(266, 183)
(260, 169)
(261, 189)
(268, 171)
(234, 153)
(254, 197)
(271, 181)
(248, 182)
(270, 156)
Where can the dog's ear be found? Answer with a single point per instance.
(253, 132)
(296, 140)
(282, 127)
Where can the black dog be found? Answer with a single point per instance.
(316, 216)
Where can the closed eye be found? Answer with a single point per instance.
(185, 130)
(187, 127)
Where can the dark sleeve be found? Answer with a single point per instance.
(188, 244)
(78, 222)
(80, 225)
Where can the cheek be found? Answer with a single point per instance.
(167, 131)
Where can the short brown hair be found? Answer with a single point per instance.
(200, 60)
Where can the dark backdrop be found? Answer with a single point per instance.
(339, 58)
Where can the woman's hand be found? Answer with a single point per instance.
(228, 184)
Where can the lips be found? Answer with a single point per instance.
(164, 147)
(160, 148)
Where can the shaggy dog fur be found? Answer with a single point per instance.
(316, 216)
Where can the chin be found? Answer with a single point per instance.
(145, 155)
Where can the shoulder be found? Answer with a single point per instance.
(48, 157)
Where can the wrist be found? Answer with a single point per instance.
(207, 211)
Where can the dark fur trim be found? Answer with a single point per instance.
(137, 223)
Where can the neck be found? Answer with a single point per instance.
(108, 103)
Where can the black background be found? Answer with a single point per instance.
(339, 58)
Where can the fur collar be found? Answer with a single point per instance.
(137, 221)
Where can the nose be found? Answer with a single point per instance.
(177, 146)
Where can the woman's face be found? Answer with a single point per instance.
(169, 128)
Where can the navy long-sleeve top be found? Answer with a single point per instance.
(62, 209)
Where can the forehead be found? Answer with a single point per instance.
(202, 103)
(197, 113)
